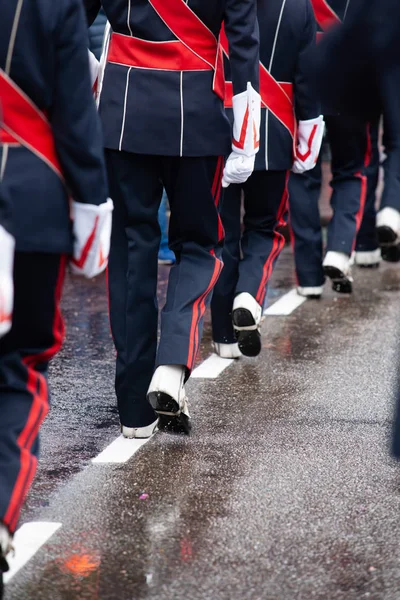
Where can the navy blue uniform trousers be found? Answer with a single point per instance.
(193, 186)
(391, 139)
(367, 238)
(35, 337)
(348, 138)
(249, 256)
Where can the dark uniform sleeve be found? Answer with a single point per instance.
(241, 29)
(92, 9)
(306, 97)
(5, 210)
(74, 119)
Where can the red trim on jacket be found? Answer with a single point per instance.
(196, 47)
(23, 122)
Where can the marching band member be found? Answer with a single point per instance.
(350, 146)
(291, 135)
(51, 167)
(164, 124)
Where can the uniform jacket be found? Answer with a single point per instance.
(329, 13)
(173, 112)
(356, 59)
(50, 63)
(287, 48)
(5, 210)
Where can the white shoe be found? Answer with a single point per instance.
(246, 317)
(227, 350)
(139, 433)
(388, 226)
(167, 396)
(5, 540)
(337, 266)
(368, 258)
(310, 292)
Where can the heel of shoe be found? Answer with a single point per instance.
(243, 319)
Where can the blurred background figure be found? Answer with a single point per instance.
(165, 255)
(359, 71)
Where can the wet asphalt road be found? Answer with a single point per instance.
(285, 490)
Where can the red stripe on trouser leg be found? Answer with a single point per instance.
(216, 193)
(37, 386)
(202, 305)
(58, 324)
(217, 177)
(30, 474)
(263, 289)
(277, 244)
(197, 313)
(368, 153)
(360, 212)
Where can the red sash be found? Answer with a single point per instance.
(196, 48)
(325, 16)
(25, 124)
(277, 97)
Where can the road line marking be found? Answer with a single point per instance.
(285, 305)
(212, 367)
(120, 450)
(28, 539)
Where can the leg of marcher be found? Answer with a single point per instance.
(305, 223)
(224, 292)
(266, 203)
(196, 235)
(367, 247)
(388, 219)
(35, 337)
(136, 189)
(348, 138)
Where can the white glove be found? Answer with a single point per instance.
(7, 245)
(309, 140)
(238, 169)
(246, 136)
(92, 233)
(94, 67)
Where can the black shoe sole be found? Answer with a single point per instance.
(3, 569)
(386, 236)
(249, 341)
(177, 422)
(340, 283)
(373, 266)
(391, 254)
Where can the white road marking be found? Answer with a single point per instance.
(28, 539)
(212, 367)
(285, 305)
(120, 450)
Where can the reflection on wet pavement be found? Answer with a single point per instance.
(284, 491)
